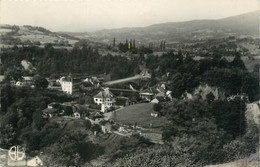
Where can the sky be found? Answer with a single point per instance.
(92, 15)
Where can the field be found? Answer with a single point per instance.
(33, 34)
(43, 38)
(4, 31)
(139, 113)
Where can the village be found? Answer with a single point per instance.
(115, 108)
(107, 83)
(109, 108)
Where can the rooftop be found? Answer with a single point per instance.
(49, 110)
(105, 94)
(95, 115)
(67, 79)
(27, 78)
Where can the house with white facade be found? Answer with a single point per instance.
(76, 114)
(66, 84)
(105, 98)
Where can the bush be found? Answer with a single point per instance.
(111, 109)
(243, 146)
(230, 116)
(157, 107)
(95, 106)
(41, 83)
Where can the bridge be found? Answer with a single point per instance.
(124, 90)
(136, 77)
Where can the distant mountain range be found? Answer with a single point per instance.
(172, 32)
(245, 24)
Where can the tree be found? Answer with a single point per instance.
(22, 123)
(7, 97)
(96, 127)
(8, 136)
(182, 83)
(191, 122)
(153, 80)
(157, 107)
(87, 124)
(48, 46)
(244, 146)
(238, 63)
(123, 47)
(34, 139)
(13, 74)
(41, 83)
(230, 116)
(210, 97)
(114, 42)
(256, 68)
(68, 110)
(38, 120)
(11, 117)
